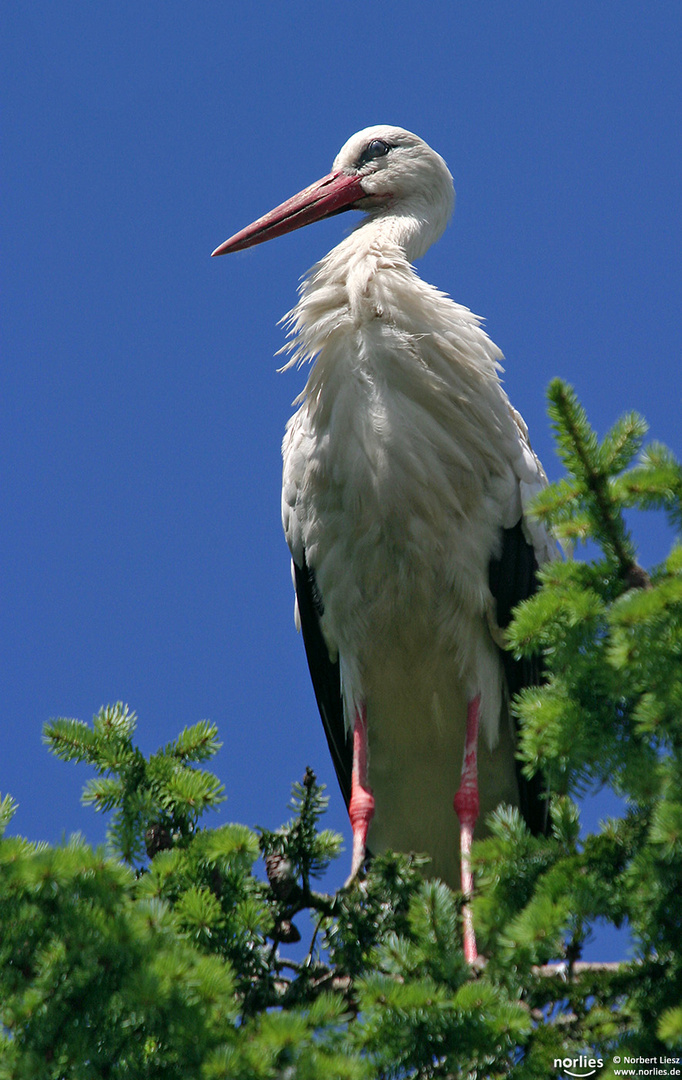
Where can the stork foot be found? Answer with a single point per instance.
(361, 812)
(361, 806)
(466, 803)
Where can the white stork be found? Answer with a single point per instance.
(406, 474)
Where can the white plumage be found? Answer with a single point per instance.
(402, 467)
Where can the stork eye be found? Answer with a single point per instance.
(376, 149)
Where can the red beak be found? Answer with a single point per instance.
(330, 195)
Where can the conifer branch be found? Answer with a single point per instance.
(580, 967)
(582, 453)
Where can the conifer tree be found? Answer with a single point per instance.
(176, 952)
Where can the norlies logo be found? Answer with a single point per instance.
(579, 1066)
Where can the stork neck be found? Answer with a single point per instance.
(383, 241)
(408, 229)
(368, 274)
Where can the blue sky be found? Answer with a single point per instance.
(142, 551)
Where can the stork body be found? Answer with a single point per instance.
(406, 472)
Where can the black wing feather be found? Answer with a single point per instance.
(513, 577)
(326, 676)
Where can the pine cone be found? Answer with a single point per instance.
(157, 838)
(280, 875)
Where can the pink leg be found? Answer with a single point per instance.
(466, 807)
(361, 807)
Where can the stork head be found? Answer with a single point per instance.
(387, 171)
